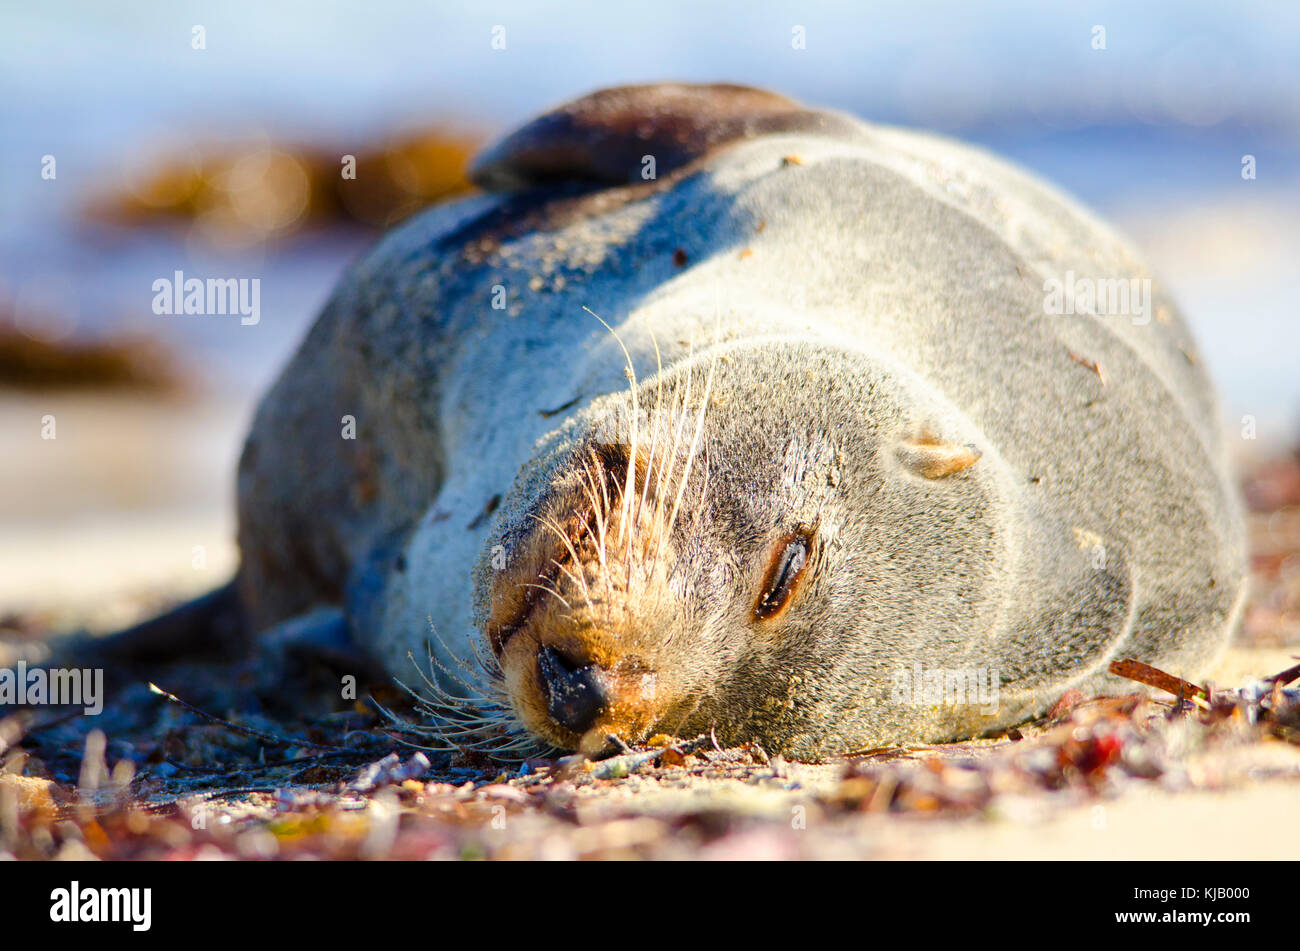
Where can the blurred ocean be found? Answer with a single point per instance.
(1150, 131)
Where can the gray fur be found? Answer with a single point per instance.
(892, 288)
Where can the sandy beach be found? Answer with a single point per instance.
(105, 524)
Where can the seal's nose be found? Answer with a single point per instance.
(575, 695)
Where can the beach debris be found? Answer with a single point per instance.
(123, 362)
(1153, 677)
(390, 771)
(247, 731)
(1092, 365)
(260, 189)
(295, 774)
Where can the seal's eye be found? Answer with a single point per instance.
(789, 559)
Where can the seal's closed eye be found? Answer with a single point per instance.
(789, 561)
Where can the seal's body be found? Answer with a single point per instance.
(838, 449)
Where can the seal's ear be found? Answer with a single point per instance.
(606, 137)
(931, 458)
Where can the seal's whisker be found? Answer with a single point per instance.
(672, 456)
(601, 476)
(589, 490)
(482, 722)
(699, 424)
(581, 580)
(626, 500)
(704, 493)
(488, 665)
(453, 723)
(602, 524)
(678, 468)
(486, 681)
(549, 590)
(472, 686)
(654, 416)
(596, 535)
(630, 370)
(573, 553)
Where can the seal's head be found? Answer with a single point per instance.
(713, 550)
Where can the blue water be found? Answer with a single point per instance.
(1162, 115)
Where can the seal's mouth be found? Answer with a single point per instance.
(578, 686)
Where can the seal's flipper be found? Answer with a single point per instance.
(605, 138)
(210, 624)
(318, 640)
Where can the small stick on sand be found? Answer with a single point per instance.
(247, 731)
(1131, 669)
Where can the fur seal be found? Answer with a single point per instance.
(719, 412)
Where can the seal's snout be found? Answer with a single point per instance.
(579, 609)
(578, 670)
(576, 695)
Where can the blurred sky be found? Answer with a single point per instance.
(1150, 130)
